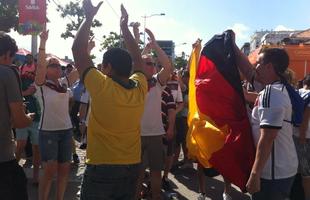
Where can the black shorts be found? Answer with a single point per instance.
(13, 181)
(181, 130)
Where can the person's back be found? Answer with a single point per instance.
(117, 103)
(8, 80)
(12, 114)
(114, 124)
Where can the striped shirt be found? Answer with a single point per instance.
(167, 103)
(175, 90)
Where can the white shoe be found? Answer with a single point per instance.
(201, 197)
(226, 196)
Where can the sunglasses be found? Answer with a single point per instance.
(150, 64)
(54, 65)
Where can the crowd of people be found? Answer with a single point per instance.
(130, 113)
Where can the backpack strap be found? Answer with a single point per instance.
(18, 79)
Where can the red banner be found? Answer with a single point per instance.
(32, 16)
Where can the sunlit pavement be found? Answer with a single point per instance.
(184, 184)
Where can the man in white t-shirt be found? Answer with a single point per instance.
(152, 129)
(275, 164)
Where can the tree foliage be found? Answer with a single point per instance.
(8, 15)
(180, 61)
(113, 40)
(75, 12)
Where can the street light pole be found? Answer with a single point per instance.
(144, 23)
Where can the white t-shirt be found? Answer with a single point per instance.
(273, 109)
(55, 109)
(85, 97)
(152, 124)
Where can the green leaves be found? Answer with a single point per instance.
(75, 12)
(111, 41)
(8, 15)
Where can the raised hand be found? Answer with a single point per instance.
(135, 26)
(44, 34)
(91, 44)
(151, 38)
(198, 41)
(90, 10)
(124, 17)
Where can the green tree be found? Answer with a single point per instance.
(8, 15)
(113, 40)
(180, 61)
(75, 12)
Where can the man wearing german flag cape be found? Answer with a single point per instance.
(219, 130)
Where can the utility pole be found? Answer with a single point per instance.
(34, 45)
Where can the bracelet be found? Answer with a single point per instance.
(42, 49)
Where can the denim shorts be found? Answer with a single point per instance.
(278, 189)
(31, 131)
(110, 182)
(55, 145)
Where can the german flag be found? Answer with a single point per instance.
(219, 129)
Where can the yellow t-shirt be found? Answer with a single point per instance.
(113, 135)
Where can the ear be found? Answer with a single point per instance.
(7, 55)
(7, 58)
(270, 66)
(109, 66)
(107, 69)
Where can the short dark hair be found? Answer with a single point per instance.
(7, 44)
(69, 66)
(306, 80)
(278, 57)
(120, 61)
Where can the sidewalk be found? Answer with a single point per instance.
(185, 184)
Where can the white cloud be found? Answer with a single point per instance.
(283, 28)
(241, 31)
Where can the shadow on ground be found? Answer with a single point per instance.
(215, 186)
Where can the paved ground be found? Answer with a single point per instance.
(184, 184)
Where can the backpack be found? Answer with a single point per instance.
(306, 98)
(298, 104)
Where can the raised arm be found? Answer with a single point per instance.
(41, 65)
(163, 59)
(130, 42)
(136, 33)
(80, 49)
(244, 64)
(91, 45)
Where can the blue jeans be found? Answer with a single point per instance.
(279, 189)
(110, 182)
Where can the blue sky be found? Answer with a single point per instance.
(186, 20)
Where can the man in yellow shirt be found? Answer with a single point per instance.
(114, 144)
